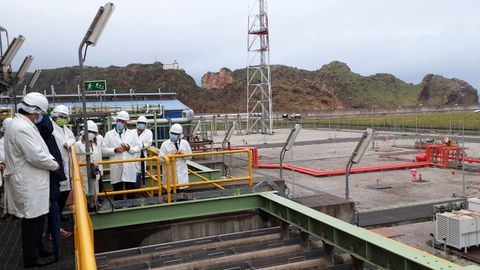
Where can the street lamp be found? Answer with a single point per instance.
(463, 153)
(33, 79)
(3, 29)
(416, 117)
(450, 125)
(90, 39)
(19, 77)
(12, 50)
(357, 155)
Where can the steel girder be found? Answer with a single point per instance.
(360, 243)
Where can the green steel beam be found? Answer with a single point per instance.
(174, 211)
(360, 243)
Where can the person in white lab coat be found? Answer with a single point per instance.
(175, 145)
(65, 139)
(96, 149)
(27, 176)
(5, 123)
(122, 143)
(145, 136)
(3, 202)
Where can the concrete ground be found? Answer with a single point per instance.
(440, 183)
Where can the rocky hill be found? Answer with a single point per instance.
(439, 90)
(334, 85)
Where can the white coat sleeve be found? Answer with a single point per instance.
(69, 137)
(185, 148)
(106, 149)
(2, 150)
(147, 142)
(165, 149)
(33, 151)
(136, 145)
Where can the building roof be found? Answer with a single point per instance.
(168, 104)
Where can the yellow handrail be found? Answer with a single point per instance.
(83, 229)
(173, 159)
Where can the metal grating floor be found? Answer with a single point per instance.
(11, 247)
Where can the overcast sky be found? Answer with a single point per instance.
(408, 38)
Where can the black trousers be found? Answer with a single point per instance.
(32, 229)
(63, 200)
(53, 218)
(123, 186)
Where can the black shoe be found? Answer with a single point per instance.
(40, 262)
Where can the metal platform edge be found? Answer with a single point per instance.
(360, 243)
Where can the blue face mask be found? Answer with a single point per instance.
(173, 138)
(120, 126)
(39, 119)
(141, 126)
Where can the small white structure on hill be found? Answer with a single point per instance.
(173, 66)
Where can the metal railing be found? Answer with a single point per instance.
(83, 230)
(171, 170)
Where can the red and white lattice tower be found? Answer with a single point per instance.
(259, 86)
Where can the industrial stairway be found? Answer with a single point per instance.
(258, 249)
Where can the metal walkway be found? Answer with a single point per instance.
(11, 247)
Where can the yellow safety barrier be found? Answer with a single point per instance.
(150, 173)
(206, 181)
(83, 229)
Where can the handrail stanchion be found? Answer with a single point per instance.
(250, 169)
(167, 179)
(150, 170)
(159, 177)
(174, 173)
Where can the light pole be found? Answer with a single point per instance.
(463, 154)
(329, 122)
(450, 125)
(371, 118)
(416, 117)
(19, 78)
(90, 39)
(3, 29)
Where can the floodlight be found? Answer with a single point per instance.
(23, 69)
(98, 24)
(34, 78)
(12, 50)
(292, 136)
(229, 133)
(362, 146)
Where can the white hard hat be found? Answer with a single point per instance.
(6, 121)
(36, 99)
(123, 115)
(92, 126)
(142, 119)
(176, 128)
(61, 109)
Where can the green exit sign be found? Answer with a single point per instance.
(95, 86)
